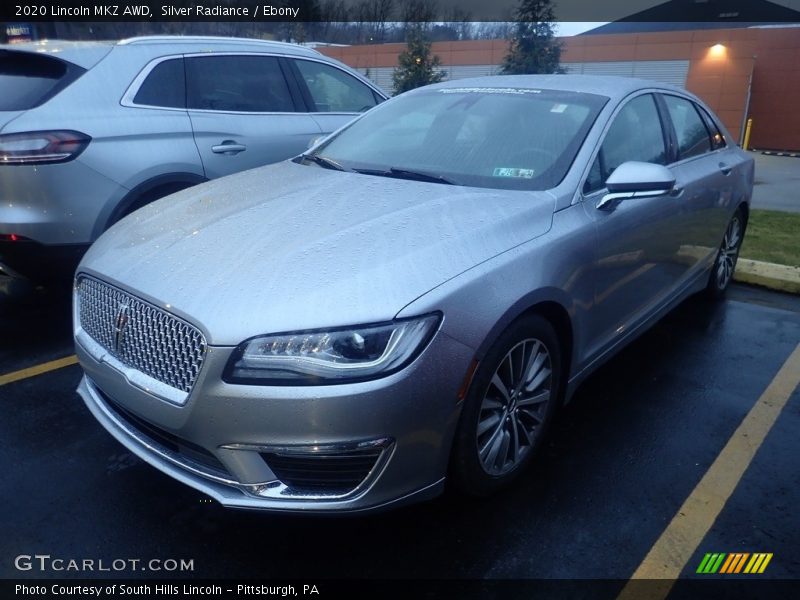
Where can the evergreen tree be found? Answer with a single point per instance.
(417, 67)
(533, 45)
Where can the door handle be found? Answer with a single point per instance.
(228, 147)
(726, 169)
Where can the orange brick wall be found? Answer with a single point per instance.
(771, 56)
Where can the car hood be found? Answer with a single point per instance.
(289, 247)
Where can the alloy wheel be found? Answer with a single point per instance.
(514, 407)
(728, 253)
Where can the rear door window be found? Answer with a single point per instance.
(164, 86)
(693, 138)
(333, 90)
(28, 80)
(232, 83)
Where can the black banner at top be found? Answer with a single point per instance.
(726, 11)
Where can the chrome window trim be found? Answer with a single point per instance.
(136, 84)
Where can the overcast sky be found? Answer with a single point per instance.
(574, 27)
(572, 9)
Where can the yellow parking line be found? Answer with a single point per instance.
(667, 558)
(38, 369)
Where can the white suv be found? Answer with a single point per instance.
(89, 132)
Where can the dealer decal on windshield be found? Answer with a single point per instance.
(488, 90)
(513, 172)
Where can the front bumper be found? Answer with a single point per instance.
(233, 442)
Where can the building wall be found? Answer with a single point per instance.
(721, 64)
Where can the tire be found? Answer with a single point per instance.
(499, 434)
(725, 262)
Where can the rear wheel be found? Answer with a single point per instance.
(725, 264)
(508, 407)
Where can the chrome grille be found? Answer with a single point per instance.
(141, 335)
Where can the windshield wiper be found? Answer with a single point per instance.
(408, 174)
(326, 163)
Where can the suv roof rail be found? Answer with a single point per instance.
(197, 39)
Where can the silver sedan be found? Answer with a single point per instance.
(409, 302)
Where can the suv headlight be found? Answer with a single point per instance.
(325, 357)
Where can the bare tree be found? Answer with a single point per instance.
(422, 12)
(500, 30)
(334, 21)
(460, 22)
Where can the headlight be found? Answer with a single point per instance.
(324, 357)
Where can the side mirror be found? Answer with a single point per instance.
(634, 179)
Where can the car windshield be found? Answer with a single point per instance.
(506, 138)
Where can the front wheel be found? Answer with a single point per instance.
(725, 264)
(508, 407)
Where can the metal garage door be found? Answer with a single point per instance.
(663, 71)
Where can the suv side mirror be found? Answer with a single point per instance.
(634, 179)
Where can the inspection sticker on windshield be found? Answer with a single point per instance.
(513, 172)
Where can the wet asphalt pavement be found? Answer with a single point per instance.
(619, 462)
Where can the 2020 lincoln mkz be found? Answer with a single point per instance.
(407, 303)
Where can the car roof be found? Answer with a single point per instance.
(195, 43)
(609, 86)
(83, 54)
(87, 53)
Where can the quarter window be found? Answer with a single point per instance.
(165, 86)
(333, 90)
(28, 80)
(237, 84)
(693, 138)
(717, 139)
(635, 134)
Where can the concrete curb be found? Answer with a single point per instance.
(778, 153)
(768, 275)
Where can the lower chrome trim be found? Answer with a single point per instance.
(145, 442)
(277, 489)
(274, 489)
(134, 377)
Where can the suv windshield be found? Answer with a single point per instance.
(27, 80)
(507, 138)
